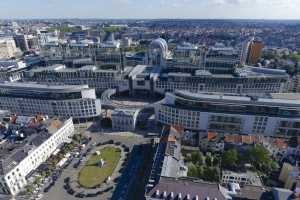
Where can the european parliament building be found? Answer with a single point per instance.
(79, 102)
(272, 115)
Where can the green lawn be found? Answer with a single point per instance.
(295, 57)
(92, 175)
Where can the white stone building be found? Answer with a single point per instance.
(18, 160)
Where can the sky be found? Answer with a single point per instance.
(197, 9)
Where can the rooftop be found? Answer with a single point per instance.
(186, 188)
(253, 177)
(279, 99)
(42, 87)
(22, 136)
(63, 68)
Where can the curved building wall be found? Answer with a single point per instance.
(226, 122)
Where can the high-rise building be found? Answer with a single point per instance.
(8, 48)
(254, 51)
(21, 42)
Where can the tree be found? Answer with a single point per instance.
(216, 161)
(197, 158)
(209, 160)
(210, 174)
(230, 158)
(192, 171)
(38, 180)
(29, 189)
(274, 165)
(260, 158)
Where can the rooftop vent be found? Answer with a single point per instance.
(157, 193)
(172, 195)
(188, 197)
(165, 194)
(179, 195)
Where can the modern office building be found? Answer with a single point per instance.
(254, 51)
(220, 59)
(38, 137)
(124, 119)
(245, 80)
(8, 48)
(158, 52)
(100, 54)
(95, 77)
(196, 69)
(21, 42)
(188, 55)
(12, 70)
(78, 101)
(274, 115)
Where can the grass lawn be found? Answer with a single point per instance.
(295, 57)
(92, 175)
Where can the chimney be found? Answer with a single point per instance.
(165, 194)
(157, 193)
(179, 195)
(188, 197)
(172, 195)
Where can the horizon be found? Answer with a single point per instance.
(108, 18)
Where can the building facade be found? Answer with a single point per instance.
(12, 70)
(8, 48)
(245, 80)
(276, 115)
(93, 76)
(124, 119)
(79, 102)
(17, 164)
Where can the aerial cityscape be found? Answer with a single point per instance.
(162, 100)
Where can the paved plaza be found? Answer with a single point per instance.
(57, 192)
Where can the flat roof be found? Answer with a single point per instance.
(273, 99)
(43, 87)
(63, 68)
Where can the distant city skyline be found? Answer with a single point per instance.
(202, 9)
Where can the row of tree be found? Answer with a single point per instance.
(257, 155)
